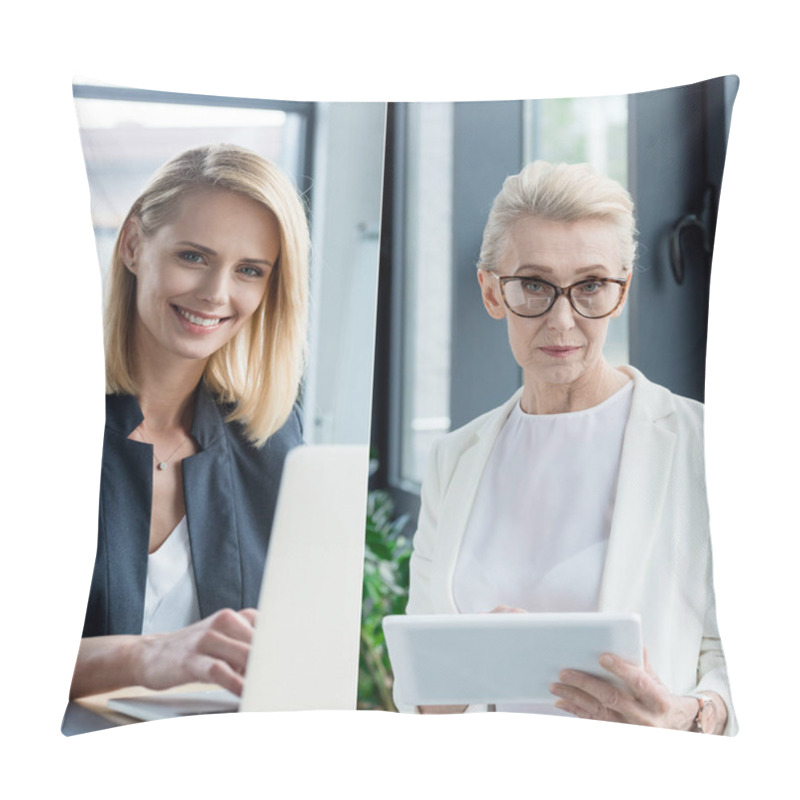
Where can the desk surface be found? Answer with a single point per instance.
(92, 713)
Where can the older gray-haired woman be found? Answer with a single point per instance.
(586, 490)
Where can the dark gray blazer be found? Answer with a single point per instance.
(230, 488)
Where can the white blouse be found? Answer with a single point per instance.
(170, 600)
(538, 532)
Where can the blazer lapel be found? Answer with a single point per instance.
(646, 464)
(458, 501)
(125, 501)
(211, 513)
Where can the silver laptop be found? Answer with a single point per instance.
(304, 654)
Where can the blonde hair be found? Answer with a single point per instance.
(260, 369)
(560, 193)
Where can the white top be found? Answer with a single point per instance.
(170, 599)
(538, 531)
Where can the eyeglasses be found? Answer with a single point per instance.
(594, 298)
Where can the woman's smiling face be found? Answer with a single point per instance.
(201, 275)
(559, 347)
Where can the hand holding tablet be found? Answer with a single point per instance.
(505, 657)
(641, 700)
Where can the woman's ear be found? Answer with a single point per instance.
(492, 294)
(130, 240)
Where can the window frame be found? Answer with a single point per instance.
(305, 110)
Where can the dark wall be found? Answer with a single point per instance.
(677, 140)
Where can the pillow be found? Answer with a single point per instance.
(445, 163)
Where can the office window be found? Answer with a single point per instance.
(427, 279)
(593, 130)
(126, 135)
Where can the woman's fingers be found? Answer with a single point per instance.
(642, 700)
(213, 670)
(571, 708)
(224, 648)
(442, 709)
(588, 711)
(599, 698)
(213, 650)
(235, 624)
(643, 684)
(583, 704)
(576, 702)
(227, 638)
(250, 615)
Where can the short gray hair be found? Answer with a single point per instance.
(561, 193)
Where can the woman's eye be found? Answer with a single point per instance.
(191, 257)
(533, 287)
(251, 272)
(590, 287)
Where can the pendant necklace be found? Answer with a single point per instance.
(160, 464)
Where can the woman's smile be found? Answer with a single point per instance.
(201, 276)
(197, 323)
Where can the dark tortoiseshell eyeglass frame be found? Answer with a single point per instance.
(559, 290)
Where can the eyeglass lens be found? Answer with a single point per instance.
(531, 298)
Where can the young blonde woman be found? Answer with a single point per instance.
(206, 319)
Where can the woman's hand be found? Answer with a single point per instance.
(214, 650)
(644, 700)
(441, 709)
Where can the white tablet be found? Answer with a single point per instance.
(453, 659)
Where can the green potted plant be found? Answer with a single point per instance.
(386, 564)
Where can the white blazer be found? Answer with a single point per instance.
(658, 561)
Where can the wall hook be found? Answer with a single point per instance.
(700, 221)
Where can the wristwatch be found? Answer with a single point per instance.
(706, 719)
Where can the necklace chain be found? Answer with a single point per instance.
(160, 464)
